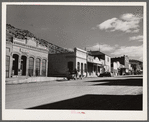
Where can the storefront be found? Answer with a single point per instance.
(94, 66)
(26, 57)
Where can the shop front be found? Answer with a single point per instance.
(94, 66)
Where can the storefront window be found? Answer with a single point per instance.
(37, 67)
(31, 66)
(44, 67)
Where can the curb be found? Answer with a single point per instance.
(33, 80)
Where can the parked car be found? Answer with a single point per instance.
(71, 75)
(105, 74)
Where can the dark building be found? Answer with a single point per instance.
(136, 65)
(124, 60)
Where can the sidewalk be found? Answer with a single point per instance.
(19, 80)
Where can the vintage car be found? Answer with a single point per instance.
(105, 74)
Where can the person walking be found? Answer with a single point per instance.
(76, 73)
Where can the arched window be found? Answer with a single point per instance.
(31, 66)
(78, 66)
(37, 67)
(15, 64)
(81, 68)
(43, 67)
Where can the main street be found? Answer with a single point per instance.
(109, 93)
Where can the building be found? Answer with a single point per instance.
(25, 56)
(137, 66)
(85, 62)
(95, 66)
(60, 64)
(106, 65)
(115, 67)
(124, 64)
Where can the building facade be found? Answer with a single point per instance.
(61, 63)
(25, 57)
(86, 64)
(103, 57)
(124, 64)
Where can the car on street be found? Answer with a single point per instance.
(105, 74)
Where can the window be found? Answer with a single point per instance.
(44, 67)
(37, 67)
(7, 66)
(81, 68)
(31, 66)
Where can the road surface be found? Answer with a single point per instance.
(112, 93)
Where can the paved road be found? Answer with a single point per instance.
(77, 94)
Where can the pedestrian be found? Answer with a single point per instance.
(76, 73)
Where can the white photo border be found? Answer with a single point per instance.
(13, 114)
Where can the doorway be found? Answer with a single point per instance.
(23, 65)
(15, 64)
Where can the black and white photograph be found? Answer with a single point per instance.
(74, 61)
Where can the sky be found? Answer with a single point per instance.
(114, 30)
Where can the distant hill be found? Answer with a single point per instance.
(11, 32)
(18, 33)
(135, 61)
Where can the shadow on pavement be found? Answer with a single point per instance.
(120, 82)
(97, 102)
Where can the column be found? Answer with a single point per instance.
(10, 65)
(27, 63)
(34, 71)
(19, 65)
(46, 67)
(40, 67)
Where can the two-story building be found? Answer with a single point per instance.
(25, 55)
(103, 57)
(124, 64)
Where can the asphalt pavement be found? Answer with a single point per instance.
(112, 93)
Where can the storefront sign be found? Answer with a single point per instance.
(90, 59)
(24, 50)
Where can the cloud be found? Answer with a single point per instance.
(131, 51)
(134, 52)
(137, 38)
(101, 47)
(128, 23)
